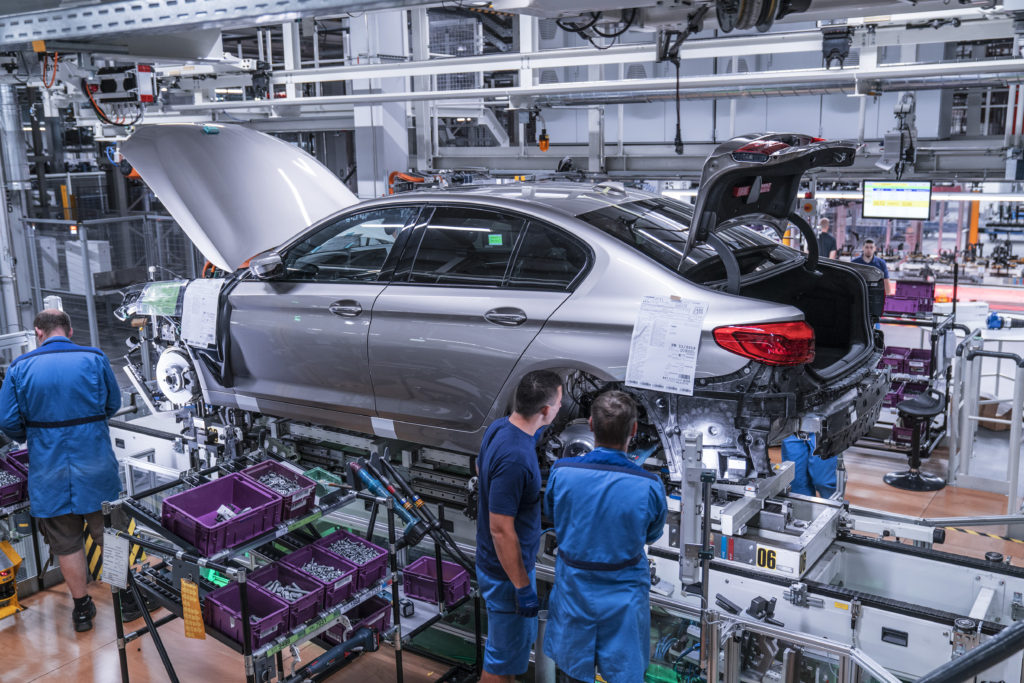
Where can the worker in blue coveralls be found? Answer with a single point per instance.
(58, 398)
(605, 508)
(508, 525)
(813, 475)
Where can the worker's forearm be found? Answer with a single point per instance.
(511, 558)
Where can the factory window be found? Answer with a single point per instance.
(547, 259)
(352, 248)
(469, 247)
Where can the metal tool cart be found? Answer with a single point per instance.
(160, 582)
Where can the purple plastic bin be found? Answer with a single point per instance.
(420, 580)
(902, 304)
(192, 514)
(374, 613)
(306, 607)
(295, 504)
(371, 570)
(894, 396)
(895, 357)
(11, 494)
(222, 610)
(334, 593)
(919, 362)
(914, 388)
(915, 289)
(20, 457)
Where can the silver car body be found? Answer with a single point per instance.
(434, 364)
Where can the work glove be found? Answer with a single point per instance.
(527, 603)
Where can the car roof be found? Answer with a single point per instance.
(567, 197)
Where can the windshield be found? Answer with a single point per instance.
(658, 228)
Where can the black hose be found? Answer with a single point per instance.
(1009, 641)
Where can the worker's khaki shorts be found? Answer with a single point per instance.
(65, 534)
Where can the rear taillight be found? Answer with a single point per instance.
(770, 343)
(759, 150)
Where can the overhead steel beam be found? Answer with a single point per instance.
(938, 160)
(157, 16)
(729, 46)
(863, 80)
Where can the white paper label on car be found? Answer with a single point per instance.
(663, 350)
(247, 403)
(383, 427)
(199, 312)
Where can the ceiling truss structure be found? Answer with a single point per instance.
(321, 112)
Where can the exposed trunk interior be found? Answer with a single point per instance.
(833, 303)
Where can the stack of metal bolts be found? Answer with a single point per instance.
(291, 592)
(6, 478)
(324, 572)
(278, 484)
(353, 551)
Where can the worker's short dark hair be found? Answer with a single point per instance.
(48, 321)
(613, 414)
(536, 389)
(869, 241)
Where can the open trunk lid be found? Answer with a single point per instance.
(234, 191)
(758, 175)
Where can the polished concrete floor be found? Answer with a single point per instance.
(39, 644)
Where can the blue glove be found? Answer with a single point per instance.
(527, 603)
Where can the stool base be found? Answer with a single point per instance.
(914, 480)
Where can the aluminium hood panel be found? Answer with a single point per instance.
(234, 191)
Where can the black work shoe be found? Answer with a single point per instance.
(82, 616)
(130, 609)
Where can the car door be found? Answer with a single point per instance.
(301, 338)
(448, 330)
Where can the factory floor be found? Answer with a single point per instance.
(39, 644)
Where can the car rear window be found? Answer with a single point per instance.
(658, 228)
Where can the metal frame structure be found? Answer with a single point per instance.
(970, 358)
(263, 663)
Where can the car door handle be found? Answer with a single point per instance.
(346, 308)
(507, 317)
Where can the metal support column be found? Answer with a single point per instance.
(292, 58)
(421, 110)
(90, 287)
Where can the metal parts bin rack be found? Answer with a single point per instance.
(938, 335)
(160, 582)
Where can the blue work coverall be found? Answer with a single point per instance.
(813, 476)
(59, 398)
(605, 507)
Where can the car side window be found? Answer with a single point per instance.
(465, 246)
(548, 258)
(353, 248)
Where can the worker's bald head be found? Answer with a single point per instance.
(52, 322)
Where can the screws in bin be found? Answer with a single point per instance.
(291, 592)
(354, 551)
(6, 478)
(278, 484)
(323, 572)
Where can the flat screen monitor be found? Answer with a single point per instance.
(908, 199)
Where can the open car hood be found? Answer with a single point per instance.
(234, 191)
(759, 175)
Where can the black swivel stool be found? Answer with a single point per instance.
(917, 412)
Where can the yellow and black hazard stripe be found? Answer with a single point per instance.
(983, 534)
(94, 553)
